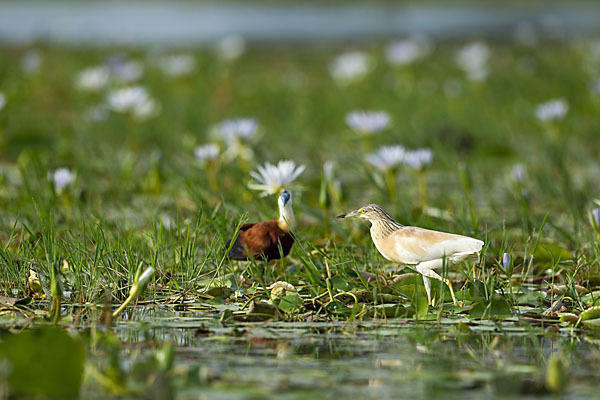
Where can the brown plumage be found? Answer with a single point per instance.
(261, 240)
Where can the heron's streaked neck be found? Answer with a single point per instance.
(382, 227)
(287, 220)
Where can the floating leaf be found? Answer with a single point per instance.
(532, 298)
(340, 283)
(220, 292)
(590, 313)
(569, 318)
(592, 323)
(478, 291)
(291, 303)
(262, 310)
(44, 362)
(592, 298)
(391, 311)
(497, 308)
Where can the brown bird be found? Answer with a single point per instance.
(264, 239)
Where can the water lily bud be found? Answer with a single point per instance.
(596, 218)
(508, 267)
(324, 197)
(56, 286)
(141, 281)
(339, 190)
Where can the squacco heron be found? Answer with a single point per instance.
(420, 249)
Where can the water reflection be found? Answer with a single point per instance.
(397, 358)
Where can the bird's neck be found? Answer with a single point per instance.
(287, 220)
(381, 228)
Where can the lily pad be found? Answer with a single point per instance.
(44, 362)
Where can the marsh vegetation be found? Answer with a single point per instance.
(117, 161)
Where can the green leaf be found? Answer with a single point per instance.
(590, 313)
(532, 298)
(221, 292)
(592, 324)
(477, 291)
(44, 362)
(291, 303)
(418, 298)
(340, 283)
(551, 253)
(421, 306)
(592, 299)
(497, 308)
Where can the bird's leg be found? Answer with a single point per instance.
(427, 283)
(447, 281)
(424, 269)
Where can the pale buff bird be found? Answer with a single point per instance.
(420, 249)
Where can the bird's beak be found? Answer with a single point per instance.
(350, 214)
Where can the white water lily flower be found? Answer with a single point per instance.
(2, 100)
(61, 178)
(272, 178)
(368, 122)
(178, 64)
(93, 78)
(231, 47)
(133, 99)
(552, 110)
(350, 66)
(418, 159)
(207, 153)
(236, 133)
(473, 59)
(518, 173)
(407, 51)
(387, 157)
(235, 129)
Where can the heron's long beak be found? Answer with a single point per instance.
(349, 214)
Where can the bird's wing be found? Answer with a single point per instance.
(245, 227)
(413, 245)
(252, 241)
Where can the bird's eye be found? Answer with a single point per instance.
(362, 211)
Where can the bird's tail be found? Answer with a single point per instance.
(237, 251)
